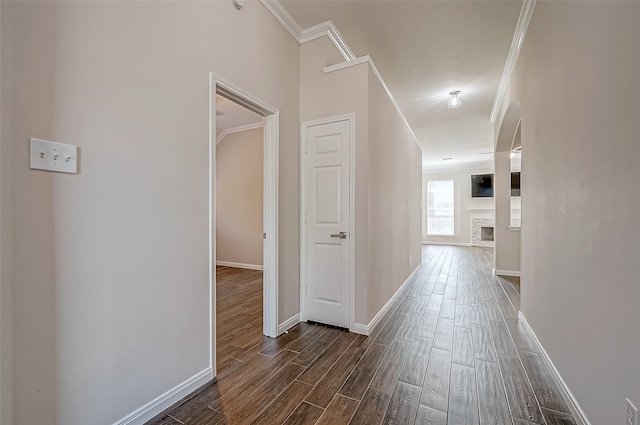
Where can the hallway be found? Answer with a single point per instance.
(451, 350)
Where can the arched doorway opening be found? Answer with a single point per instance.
(506, 198)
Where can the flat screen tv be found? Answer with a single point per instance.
(482, 186)
(515, 183)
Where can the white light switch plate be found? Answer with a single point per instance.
(52, 156)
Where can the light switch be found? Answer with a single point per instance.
(52, 156)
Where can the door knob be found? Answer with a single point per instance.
(341, 235)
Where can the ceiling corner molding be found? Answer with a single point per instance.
(340, 43)
(518, 37)
(328, 29)
(374, 69)
(346, 64)
(284, 17)
(238, 129)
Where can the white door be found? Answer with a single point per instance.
(326, 290)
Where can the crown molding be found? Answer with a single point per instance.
(328, 29)
(284, 17)
(347, 64)
(367, 59)
(238, 129)
(514, 51)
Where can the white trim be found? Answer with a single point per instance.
(339, 41)
(567, 395)
(218, 85)
(445, 243)
(288, 324)
(362, 329)
(347, 64)
(359, 328)
(351, 117)
(270, 255)
(302, 36)
(284, 17)
(240, 265)
(212, 224)
(166, 400)
(514, 51)
(352, 220)
(328, 29)
(368, 60)
(485, 211)
(515, 273)
(238, 129)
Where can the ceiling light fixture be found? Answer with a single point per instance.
(454, 100)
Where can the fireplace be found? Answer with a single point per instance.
(482, 230)
(486, 234)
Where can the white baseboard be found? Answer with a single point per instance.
(359, 328)
(288, 324)
(567, 395)
(445, 243)
(240, 265)
(363, 329)
(166, 400)
(506, 273)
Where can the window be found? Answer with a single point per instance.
(440, 207)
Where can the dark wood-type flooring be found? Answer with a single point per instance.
(450, 350)
(239, 313)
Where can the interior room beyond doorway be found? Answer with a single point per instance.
(239, 229)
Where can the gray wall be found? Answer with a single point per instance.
(239, 198)
(578, 82)
(110, 267)
(394, 195)
(387, 173)
(6, 331)
(337, 93)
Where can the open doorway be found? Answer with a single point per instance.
(239, 216)
(507, 205)
(242, 125)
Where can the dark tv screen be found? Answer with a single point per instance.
(482, 186)
(515, 184)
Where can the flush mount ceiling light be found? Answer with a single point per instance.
(454, 100)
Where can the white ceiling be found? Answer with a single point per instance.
(424, 50)
(230, 115)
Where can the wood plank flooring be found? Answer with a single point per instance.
(451, 350)
(239, 312)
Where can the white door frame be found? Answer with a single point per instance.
(218, 85)
(303, 210)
